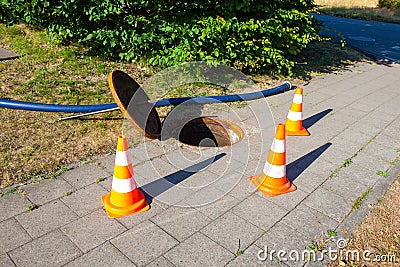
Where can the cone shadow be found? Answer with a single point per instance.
(159, 186)
(295, 168)
(310, 121)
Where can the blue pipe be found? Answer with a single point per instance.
(225, 98)
(13, 104)
(5, 103)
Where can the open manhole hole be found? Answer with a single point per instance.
(137, 108)
(210, 132)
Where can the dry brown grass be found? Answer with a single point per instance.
(35, 144)
(359, 9)
(366, 13)
(346, 3)
(379, 232)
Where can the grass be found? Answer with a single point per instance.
(383, 174)
(101, 179)
(347, 162)
(35, 145)
(334, 173)
(239, 253)
(316, 246)
(8, 191)
(359, 9)
(331, 233)
(32, 206)
(357, 203)
(366, 13)
(347, 3)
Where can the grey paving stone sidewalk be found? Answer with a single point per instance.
(204, 212)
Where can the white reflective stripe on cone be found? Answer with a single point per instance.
(122, 158)
(274, 171)
(123, 185)
(278, 146)
(294, 116)
(298, 99)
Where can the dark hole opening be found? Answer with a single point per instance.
(207, 132)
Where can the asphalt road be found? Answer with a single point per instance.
(378, 39)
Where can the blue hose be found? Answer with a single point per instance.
(225, 98)
(5, 103)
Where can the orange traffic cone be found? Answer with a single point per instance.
(125, 198)
(272, 181)
(294, 120)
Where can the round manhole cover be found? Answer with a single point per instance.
(134, 104)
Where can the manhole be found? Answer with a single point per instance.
(201, 131)
(209, 132)
(134, 104)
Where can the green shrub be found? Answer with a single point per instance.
(389, 3)
(251, 35)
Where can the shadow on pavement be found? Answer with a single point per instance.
(310, 121)
(295, 168)
(159, 186)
